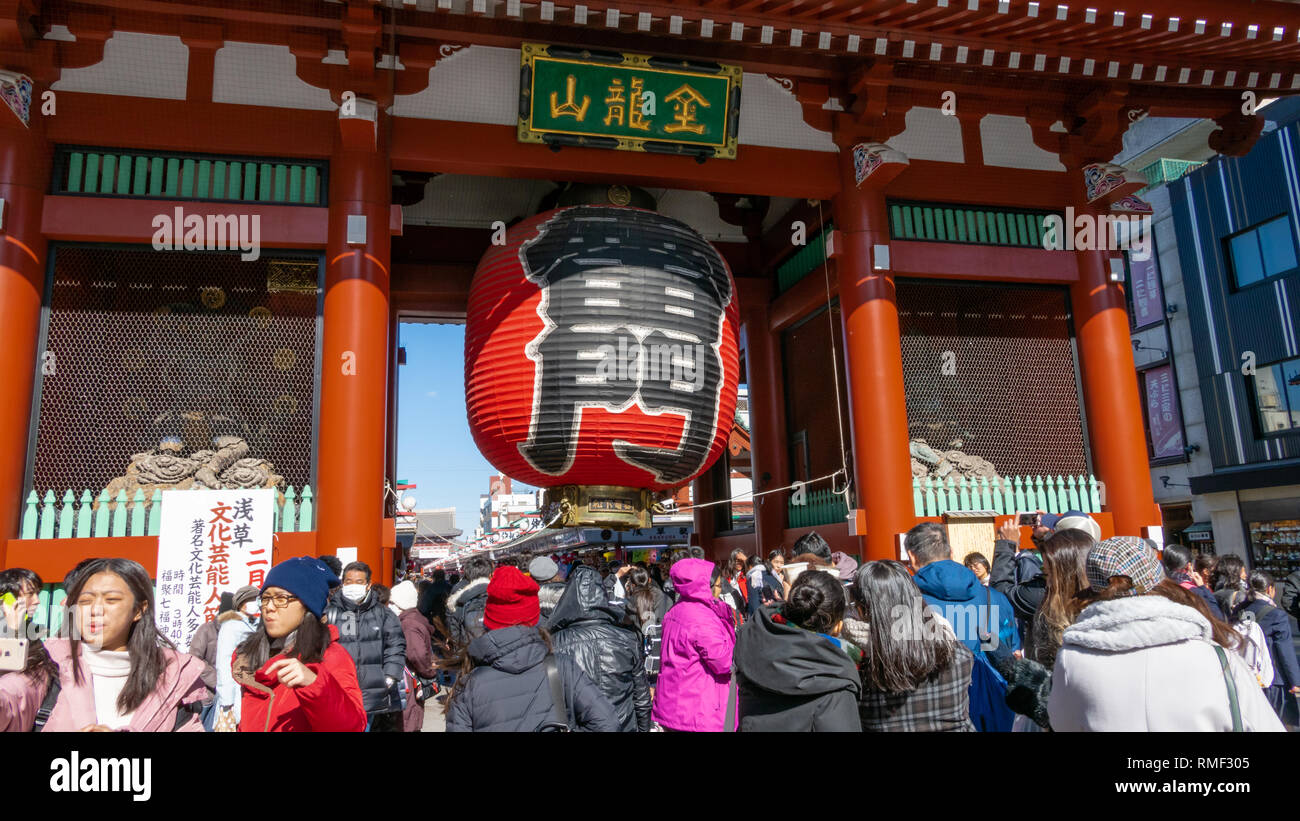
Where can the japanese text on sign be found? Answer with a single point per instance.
(210, 542)
(632, 103)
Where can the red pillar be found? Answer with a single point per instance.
(767, 425)
(1110, 393)
(354, 358)
(873, 357)
(24, 175)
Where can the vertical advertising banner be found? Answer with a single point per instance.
(209, 542)
(1163, 418)
(1148, 296)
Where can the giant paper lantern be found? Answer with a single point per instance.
(601, 359)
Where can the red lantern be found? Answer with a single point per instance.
(601, 350)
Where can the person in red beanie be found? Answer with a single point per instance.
(506, 686)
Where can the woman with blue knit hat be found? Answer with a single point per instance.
(294, 674)
(1145, 655)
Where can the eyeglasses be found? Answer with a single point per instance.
(280, 602)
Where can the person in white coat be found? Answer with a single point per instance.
(1144, 655)
(236, 625)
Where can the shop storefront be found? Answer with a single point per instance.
(1273, 529)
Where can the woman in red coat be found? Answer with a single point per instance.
(295, 676)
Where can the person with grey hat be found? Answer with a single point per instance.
(235, 625)
(544, 571)
(1143, 655)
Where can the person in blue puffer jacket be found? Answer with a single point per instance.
(982, 617)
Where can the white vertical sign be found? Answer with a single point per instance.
(209, 542)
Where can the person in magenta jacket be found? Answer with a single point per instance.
(117, 672)
(698, 638)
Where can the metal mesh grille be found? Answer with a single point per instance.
(1007, 392)
(144, 345)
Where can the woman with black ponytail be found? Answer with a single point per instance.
(794, 672)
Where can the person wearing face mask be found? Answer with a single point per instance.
(372, 635)
(235, 625)
(295, 676)
(116, 671)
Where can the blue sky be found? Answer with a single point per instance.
(434, 446)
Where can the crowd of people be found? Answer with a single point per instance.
(1074, 633)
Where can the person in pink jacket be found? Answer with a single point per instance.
(117, 672)
(22, 691)
(698, 638)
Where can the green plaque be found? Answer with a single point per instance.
(631, 102)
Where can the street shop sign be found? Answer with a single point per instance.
(630, 102)
(209, 542)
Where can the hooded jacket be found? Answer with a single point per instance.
(419, 658)
(465, 608)
(695, 654)
(235, 627)
(1147, 664)
(588, 629)
(508, 691)
(793, 680)
(373, 636)
(330, 704)
(968, 605)
(179, 689)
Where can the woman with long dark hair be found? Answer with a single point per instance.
(116, 671)
(1065, 573)
(915, 674)
(793, 672)
(23, 691)
(1145, 655)
(646, 603)
(295, 675)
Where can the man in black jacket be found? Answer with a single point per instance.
(372, 635)
(588, 629)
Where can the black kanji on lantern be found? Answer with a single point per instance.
(634, 304)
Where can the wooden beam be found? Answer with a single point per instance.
(494, 150)
(124, 219)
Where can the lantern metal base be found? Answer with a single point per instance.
(611, 506)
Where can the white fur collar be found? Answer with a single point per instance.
(1135, 623)
(467, 590)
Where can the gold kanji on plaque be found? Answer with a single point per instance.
(635, 115)
(570, 107)
(616, 102)
(685, 100)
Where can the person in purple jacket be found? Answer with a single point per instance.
(699, 636)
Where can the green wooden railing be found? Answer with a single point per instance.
(161, 175)
(803, 261)
(1006, 495)
(966, 224)
(88, 517)
(820, 507)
